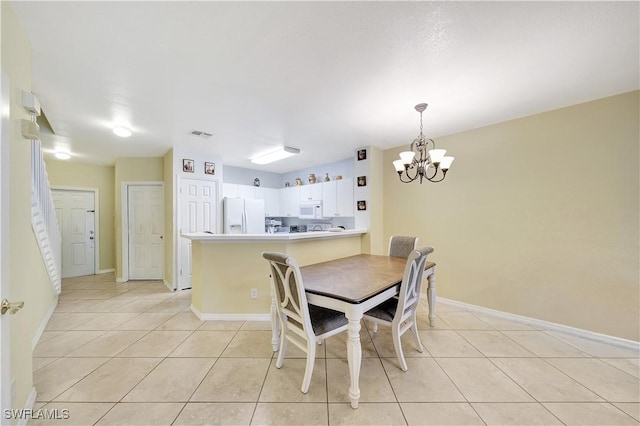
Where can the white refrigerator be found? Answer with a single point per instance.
(243, 216)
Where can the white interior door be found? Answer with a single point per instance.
(146, 227)
(5, 341)
(75, 211)
(198, 213)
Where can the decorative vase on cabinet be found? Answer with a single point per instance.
(326, 177)
(312, 178)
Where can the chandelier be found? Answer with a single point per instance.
(431, 165)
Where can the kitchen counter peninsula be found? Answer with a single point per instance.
(228, 269)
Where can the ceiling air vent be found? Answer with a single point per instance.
(201, 133)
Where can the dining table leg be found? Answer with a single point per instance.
(431, 296)
(275, 323)
(354, 355)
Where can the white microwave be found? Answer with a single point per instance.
(310, 210)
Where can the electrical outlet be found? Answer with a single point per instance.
(254, 293)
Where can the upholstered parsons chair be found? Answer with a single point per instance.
(302, 324)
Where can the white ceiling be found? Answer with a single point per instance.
(324, 77)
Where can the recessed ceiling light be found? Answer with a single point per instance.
(282, 152)
(62, 155)
(123, 132)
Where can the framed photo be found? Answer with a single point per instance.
(362, 181)
(362, 154)
(187, 165)
(209, 168)
(362, 205)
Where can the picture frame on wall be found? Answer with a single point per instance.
(187, 165)
(362, 205)
(362, 181)
(209, 168)
(362, 154)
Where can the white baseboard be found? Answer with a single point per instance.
(121, 280)
(543, 325)
(43, 324)
(229, 317)
(169, 285)
(28, 405)
(105, 271)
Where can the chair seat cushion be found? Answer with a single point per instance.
(324, 320)
(384, 311)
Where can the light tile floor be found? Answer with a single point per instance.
(133, 354)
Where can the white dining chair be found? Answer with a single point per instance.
(302, 324)
(400, 246)
(400, 313)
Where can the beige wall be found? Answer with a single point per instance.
(169, 249)
(225, 272)
(132, 170)
(538, 216)
(70, 174)
(375, 179)
(28, 280)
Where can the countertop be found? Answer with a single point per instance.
(294, 236)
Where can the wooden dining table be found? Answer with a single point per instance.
(354, 285)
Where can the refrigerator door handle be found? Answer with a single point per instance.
(244, 221)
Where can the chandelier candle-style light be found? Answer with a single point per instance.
(420, 163)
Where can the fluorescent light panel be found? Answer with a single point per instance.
(121, 131)
(62, 155)
(281, 153)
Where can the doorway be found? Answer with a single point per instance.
(5, 340)
(76, 214)
(198, 201)
(145, 217)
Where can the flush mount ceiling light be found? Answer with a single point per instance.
(418, 163)
(60, 155)
(279, 154)
(123, 132)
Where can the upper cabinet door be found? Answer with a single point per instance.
(337, 198)
(230, 190)
(329, 199)
(271, 197)
(247, 192)
(344, 197)
(289, 201)
(310, 192)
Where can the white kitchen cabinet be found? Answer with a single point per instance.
(289, 201)
(233, 190)
(247, 192)
(337, 198)
(271, 197)
(230, 190)
(310, 192)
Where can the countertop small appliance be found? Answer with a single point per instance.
(319, 226)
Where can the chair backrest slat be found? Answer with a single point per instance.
(287, 284)
(411, 285)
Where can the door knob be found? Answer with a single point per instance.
(14, 307)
